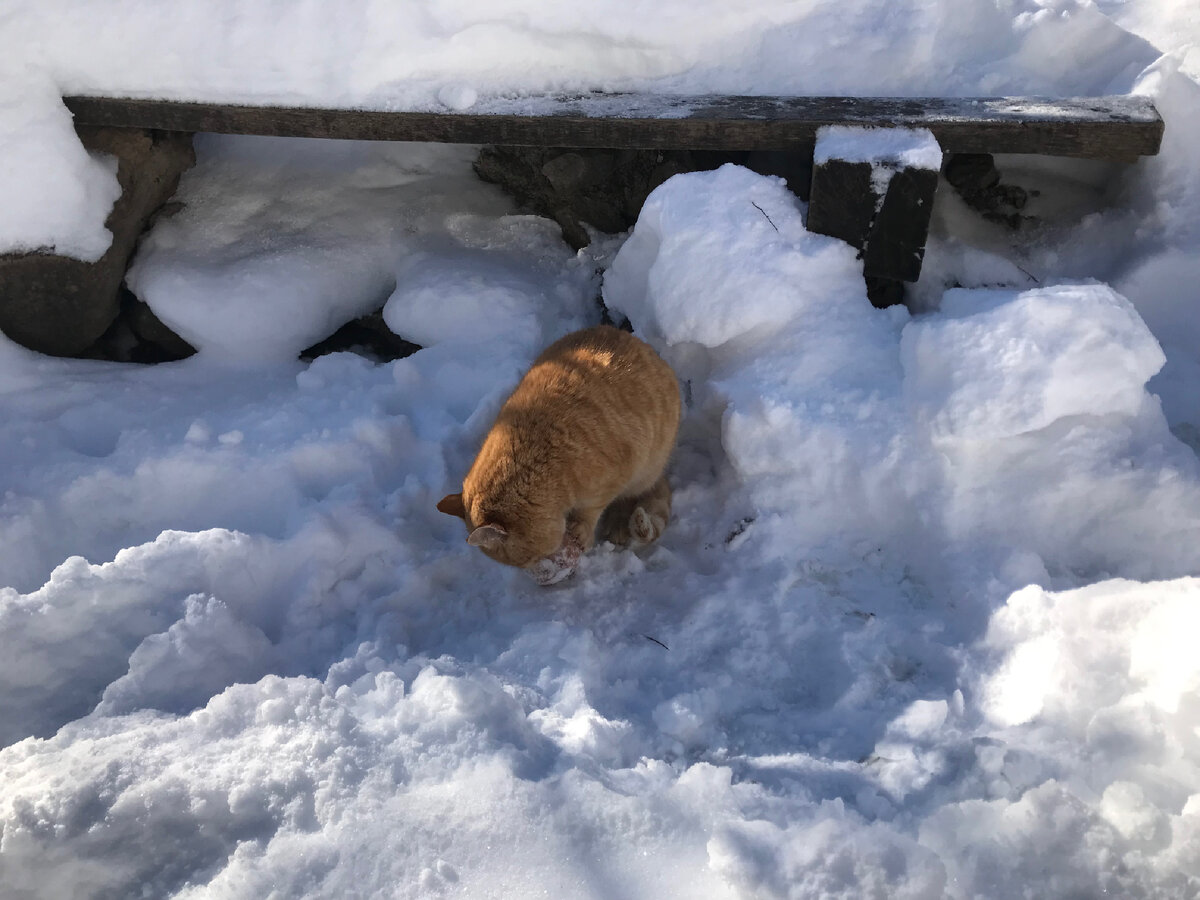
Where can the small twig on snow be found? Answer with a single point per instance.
(1032, 277)
(764, 212)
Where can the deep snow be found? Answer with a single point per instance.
(923, 625)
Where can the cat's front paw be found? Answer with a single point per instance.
(559, 565)
(644, 527)
(547, 572)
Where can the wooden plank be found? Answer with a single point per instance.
(1117, 128)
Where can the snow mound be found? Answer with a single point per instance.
(1089, 750)
(1111, 662)
(717, 255)
(993, 364)
(56, 195)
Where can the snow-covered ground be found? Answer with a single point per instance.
(924, 624)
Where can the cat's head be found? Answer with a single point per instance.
(520, 540)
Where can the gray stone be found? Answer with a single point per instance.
(975, 178)
(149, 329)
(137, 336)
(62, 306)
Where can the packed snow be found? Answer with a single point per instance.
(923, 623)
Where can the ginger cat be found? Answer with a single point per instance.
(589, 429)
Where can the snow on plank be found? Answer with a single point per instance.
(1120, 128)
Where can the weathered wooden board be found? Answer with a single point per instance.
(889, 230)
(1116, 128)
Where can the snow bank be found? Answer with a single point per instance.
(801, 368)
(1046, 390)
(386, 57)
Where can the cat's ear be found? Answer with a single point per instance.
(488, 537)
(452, 505)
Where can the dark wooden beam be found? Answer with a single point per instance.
(1116, 128)
(889, 230)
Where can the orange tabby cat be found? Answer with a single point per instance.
(592, 423)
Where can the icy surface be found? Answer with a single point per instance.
(922, 624)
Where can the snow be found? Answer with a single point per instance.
(909, 148)
(720, 262)
(324, 231)
(55, 193)
(470, 55)
(994, 364)
(887, 150)
(922, 624)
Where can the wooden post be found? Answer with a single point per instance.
(881, 206)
